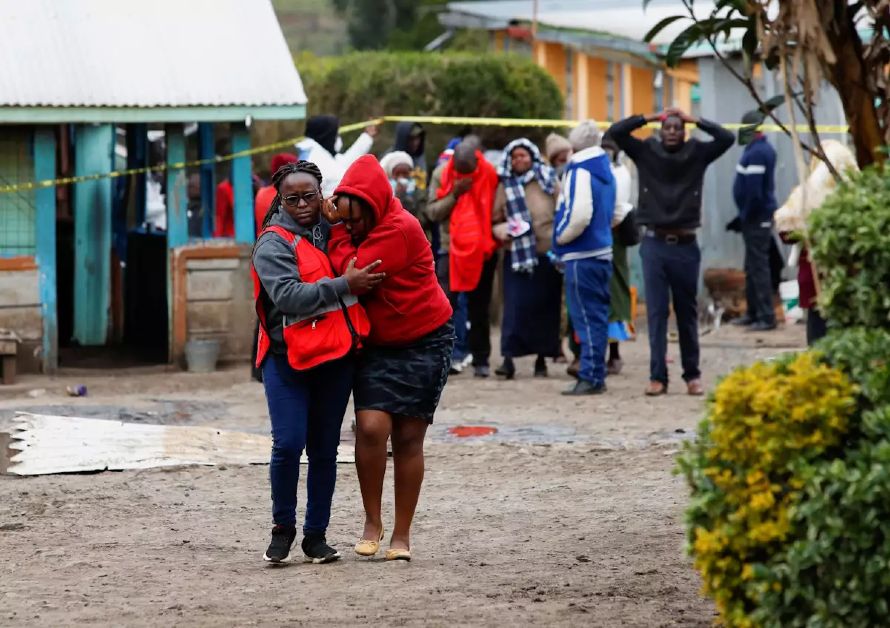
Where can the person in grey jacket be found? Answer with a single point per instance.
(306, 406)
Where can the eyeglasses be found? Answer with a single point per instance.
(293, 200)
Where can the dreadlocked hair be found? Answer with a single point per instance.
(285, 171)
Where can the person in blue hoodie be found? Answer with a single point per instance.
(582, 240)
(754, 191)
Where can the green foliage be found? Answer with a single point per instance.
(837, 571)
(726, 16)
(363, 85)
(766, 424)
(850, 234)
(389, 24)
(865, 355)
(790, 515)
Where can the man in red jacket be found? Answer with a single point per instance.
(461, 196)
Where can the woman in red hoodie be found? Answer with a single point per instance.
(404, 367)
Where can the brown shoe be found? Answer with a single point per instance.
(695, 387)
(574, 368)
(656, 389)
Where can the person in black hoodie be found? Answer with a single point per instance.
(671, 173)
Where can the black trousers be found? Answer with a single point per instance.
(817, 327)
(478, 307)
(758, 277)
(670, 272)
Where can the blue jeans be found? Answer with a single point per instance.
(670, 271)
(587, 295)
(306, 409)
(461, 346)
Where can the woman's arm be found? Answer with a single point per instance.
(277, 269)
(386, 243)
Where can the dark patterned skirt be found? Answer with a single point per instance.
(532, 311)
(405, 381)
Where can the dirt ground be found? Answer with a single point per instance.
(568, 515)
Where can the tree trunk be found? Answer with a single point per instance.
(848, 76)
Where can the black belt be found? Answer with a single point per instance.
(670, 238)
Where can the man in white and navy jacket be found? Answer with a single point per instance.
(754, 191)
(582, 239)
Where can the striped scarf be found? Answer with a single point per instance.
(523, 248)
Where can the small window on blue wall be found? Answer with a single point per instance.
(17, 209)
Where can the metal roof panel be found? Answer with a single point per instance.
(133, 53)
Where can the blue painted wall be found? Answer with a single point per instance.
(208, 176)
(93, 151)
(177, 193)
(45, 168)
(243, 186)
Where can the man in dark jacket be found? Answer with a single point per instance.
(754, 191)
(671, 173)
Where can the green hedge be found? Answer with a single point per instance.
(489, 85)
(826, 558)
(363, 85)
(851, 248)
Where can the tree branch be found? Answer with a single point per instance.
(748, 83)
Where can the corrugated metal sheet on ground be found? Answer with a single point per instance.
(144, 53)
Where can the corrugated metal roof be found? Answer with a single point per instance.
(622, 18)
(144, 53)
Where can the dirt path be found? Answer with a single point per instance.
(568, 515)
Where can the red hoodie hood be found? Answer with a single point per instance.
(366, 179)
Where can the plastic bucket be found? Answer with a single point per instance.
(789, 292)
(201, 355)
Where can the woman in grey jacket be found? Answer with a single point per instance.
(309, 320)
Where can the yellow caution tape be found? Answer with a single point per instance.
(446, 120)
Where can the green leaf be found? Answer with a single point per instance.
(648, 37)
(772, 103)
(682, 43)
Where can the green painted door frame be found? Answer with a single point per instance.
(93, 153)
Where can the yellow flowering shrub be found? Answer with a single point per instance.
(747, 471)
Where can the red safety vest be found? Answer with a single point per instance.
(324, 335)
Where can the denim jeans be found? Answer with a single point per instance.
(670, 272)
(587, 294)
(306, 409)
(461, 333)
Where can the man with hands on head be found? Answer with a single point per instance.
(671, 172)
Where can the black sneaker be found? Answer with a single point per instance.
(583, 387)
(317, 550)
(742, 321)
(541, 367)
(507, 369)
(279, 549)
(761, 326)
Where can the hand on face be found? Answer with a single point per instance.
(350, 211)
(329, 210)
(462, 185)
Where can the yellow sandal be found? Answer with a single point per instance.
(368, 547)
(398, 554)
